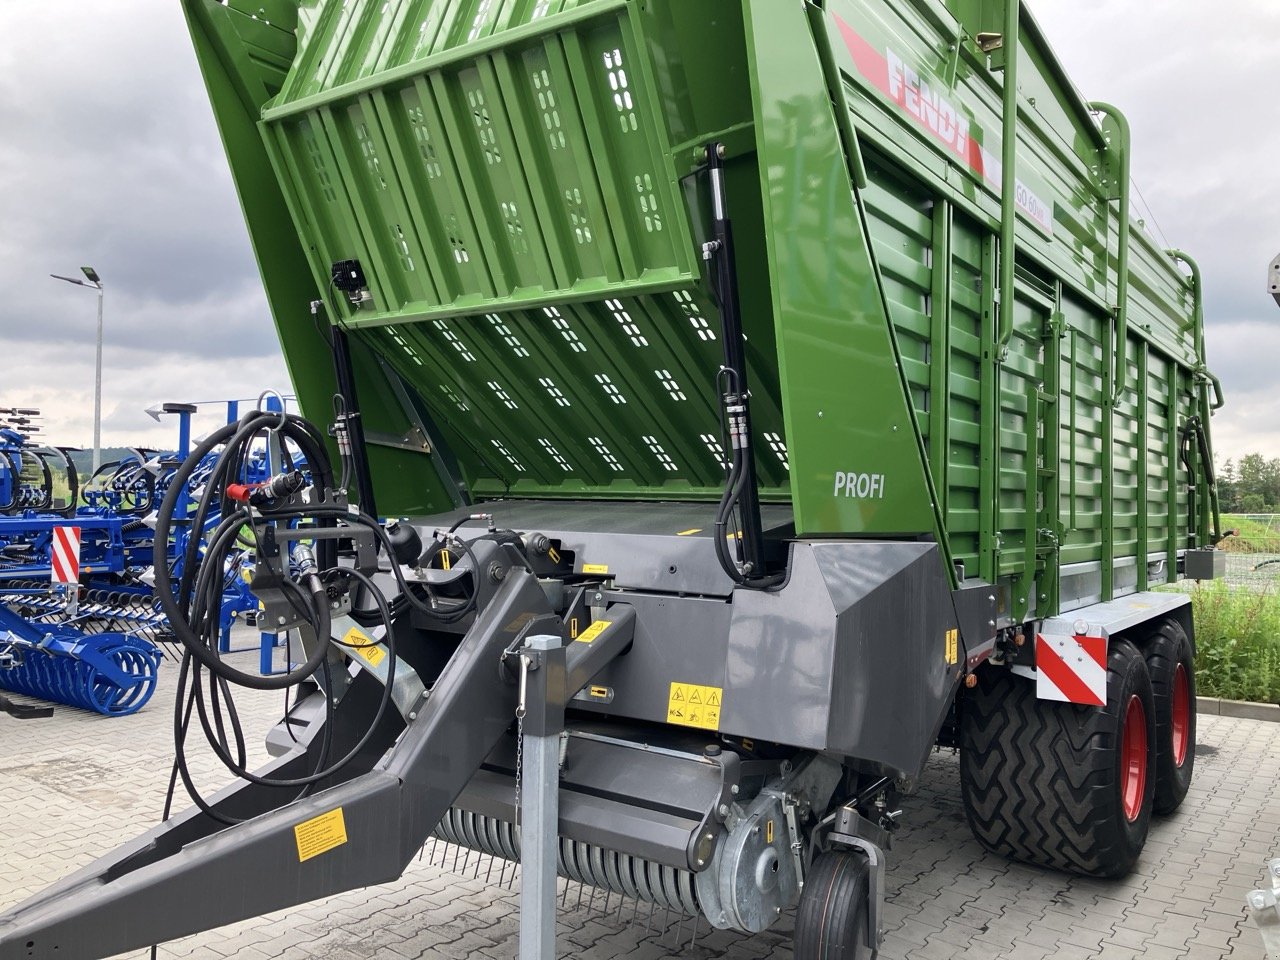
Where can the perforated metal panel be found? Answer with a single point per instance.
(528, 249)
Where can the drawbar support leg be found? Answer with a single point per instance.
(542, 670)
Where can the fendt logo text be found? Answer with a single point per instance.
(925, 104)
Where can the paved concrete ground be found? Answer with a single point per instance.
(73, 786)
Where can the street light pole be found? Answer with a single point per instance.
(97, 391)
(93, 280)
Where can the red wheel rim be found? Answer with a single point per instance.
(1133, 758)
(1181, 715)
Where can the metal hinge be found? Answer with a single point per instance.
(412, 439)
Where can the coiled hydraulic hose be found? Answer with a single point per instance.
(192, 603)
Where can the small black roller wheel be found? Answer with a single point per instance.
(1060, 784)
(831, 923)
(1173, 685)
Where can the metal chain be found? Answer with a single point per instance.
(520, 712)
(519, 763)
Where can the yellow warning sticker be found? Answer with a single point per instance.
(320, 834)
(599, 693)
(365, 647)
(597, 627)
(953, 645)
(689, 533)
(695, 705)
(595, 568)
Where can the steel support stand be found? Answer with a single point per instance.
(543, 675)
(1264, 907)
(268, 640)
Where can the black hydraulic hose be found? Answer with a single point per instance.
(173, 606)
(182, 722)
(244, 773)
(734, 485)
(450, 616)
(198, 605)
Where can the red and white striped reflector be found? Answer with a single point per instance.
(1073, 669)
(66, 555)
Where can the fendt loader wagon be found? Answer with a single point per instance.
(767, 391)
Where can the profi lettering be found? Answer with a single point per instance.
(864, 486)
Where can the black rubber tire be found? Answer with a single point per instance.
(831, 922)
(1041, 779)
(1165, 649)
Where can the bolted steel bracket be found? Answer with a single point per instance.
(1264, 907)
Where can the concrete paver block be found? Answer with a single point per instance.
(97, 782)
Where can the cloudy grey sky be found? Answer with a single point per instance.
(109, 157)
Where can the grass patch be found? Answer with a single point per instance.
(1237, 642)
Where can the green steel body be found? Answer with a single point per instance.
(520, 181)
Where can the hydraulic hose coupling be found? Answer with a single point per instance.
(342, 436)
(279, 487)
(735, 409)
(305, 558)
(485, 518)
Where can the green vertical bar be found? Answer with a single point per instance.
(989, 426)
(1075, 410)
(1020, 602)
(1051, 455)
(348, 185)
(581, 140)
(1171, 457)
(1208, 505)
(530, 175)
(298, 203)
(600, 161)
(410, 174)
(451, 96)
(1108, 530)
(940, 352)
(1143, 386)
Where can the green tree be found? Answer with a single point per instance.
(1258, 475)
(1252, 503)
(1228, 487)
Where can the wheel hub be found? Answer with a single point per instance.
(1133, 758)
(1181, 715)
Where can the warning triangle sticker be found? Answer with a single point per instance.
(678, 696)
(713, 700)
(695, 697)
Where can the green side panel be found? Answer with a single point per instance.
(244, 51)
(520, 182)
(504, 174)
(846, 408)
(1083, 455)
(971, 308)
(1041, 473)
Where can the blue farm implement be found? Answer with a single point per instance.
(109, 673)
(91, 643)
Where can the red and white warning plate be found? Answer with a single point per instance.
(1072, 668)
(66, 555)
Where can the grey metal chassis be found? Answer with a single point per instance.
(849, 659)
